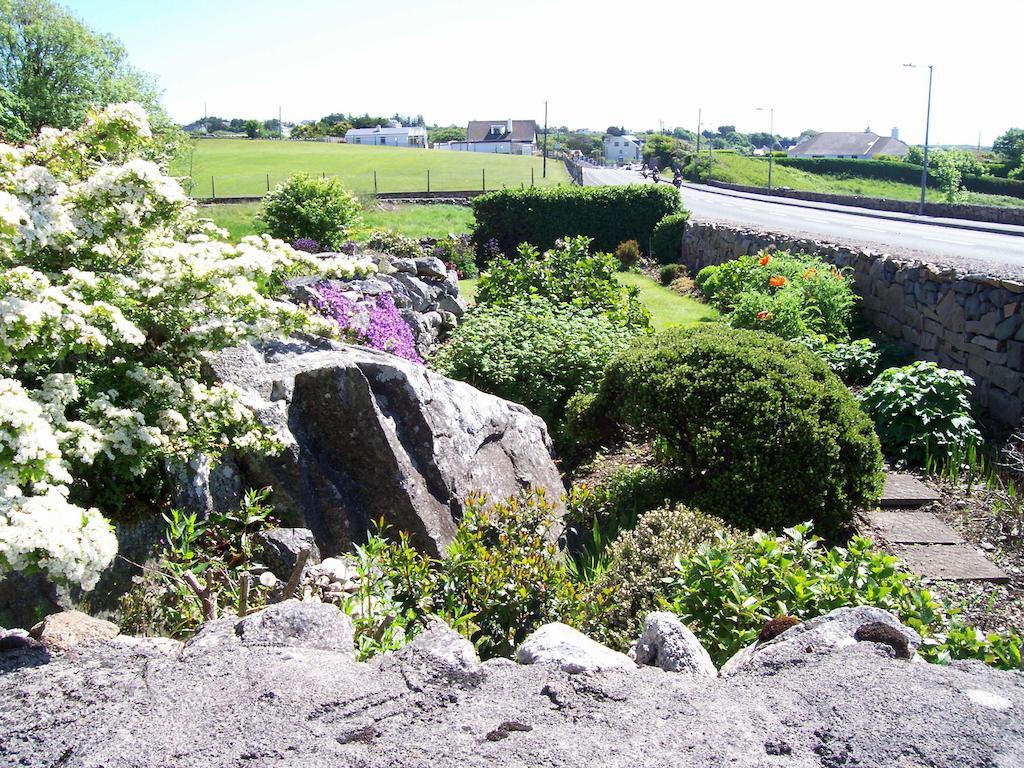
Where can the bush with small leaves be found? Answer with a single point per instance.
(628, 254)
(667, 238)
(670, 272)
(305, 206)
(393, 244)
(923, 413)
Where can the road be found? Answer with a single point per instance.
(943, 243)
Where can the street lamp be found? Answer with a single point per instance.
(771, 142)
(927, 126)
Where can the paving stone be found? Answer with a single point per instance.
(912, 528)
(905, 491)
(953, 562)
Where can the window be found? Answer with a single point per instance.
(356, 140)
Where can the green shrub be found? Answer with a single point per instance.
(725, 591)
(542, 215)
(854, 362)
(765, 430)
(457, 251)
(305, 206)
(788, 295)
(922, 413)
(568, 275)
(628, 254)
(499, 580)
(217, 549)
(393, 243)
(639, 562)
(667, 238)
(533, 352)
(670, 272)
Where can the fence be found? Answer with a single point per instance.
(235, 186)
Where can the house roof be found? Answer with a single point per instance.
(522, 130)
(624, 137)
(386, 131)
(848, 143)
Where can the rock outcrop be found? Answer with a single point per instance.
(668, 644)
(369, 436)
(289, 700)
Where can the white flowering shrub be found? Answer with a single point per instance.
(112, 292)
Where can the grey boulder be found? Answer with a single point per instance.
(304, 625)
(282, 547)
(669, 644)
(369, 436)
(834, 631)
(570, 650)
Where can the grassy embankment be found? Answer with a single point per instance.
(242, 167)
(753, 171)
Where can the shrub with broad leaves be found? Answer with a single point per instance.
(305, 206)
(112, 294)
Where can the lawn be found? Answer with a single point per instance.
(665, 305)
(410, 220)
(243, 167)
(753, 171)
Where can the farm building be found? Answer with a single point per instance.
(392, 135)
(505, 137)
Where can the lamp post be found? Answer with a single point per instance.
(927, 126)
(771, 142)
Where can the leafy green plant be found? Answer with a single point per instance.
(763, 428)
(922, 413)
(456, 251)
(500, 578)
(855, 362)
(628, 254)
(670, 272)
(305, 206)
(568, 274)
(217, 551)
(788, 295)
(533, 352)
(393, 243)
(726, 590)
(543, 215)
(639, 561)
(667, 237)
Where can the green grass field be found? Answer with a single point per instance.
(665, 305)
(409, 220)
(753, 171)
(243, 167)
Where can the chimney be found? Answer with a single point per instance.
(508, 125)
(895, 133)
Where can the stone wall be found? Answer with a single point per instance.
(971, 322)
(985, 213)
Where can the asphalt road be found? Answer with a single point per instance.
(899, 234)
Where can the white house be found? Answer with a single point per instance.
(850, 144)
(504, 137)
(391, 135)
(622, 149)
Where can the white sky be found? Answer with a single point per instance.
(823, 65)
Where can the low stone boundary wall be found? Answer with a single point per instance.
(984, 213)
(971, 322)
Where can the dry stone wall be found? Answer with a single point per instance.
(971, 322)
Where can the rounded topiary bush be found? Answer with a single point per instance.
(765, 430)
(639, 560)
(308, 207)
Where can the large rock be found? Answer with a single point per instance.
(669, 644)
(119, 705)
(369, 436)
(823, 635)
(303, 625)
(68, 629)
(282, 547)
(570, 650)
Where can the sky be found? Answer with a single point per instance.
(823, 65)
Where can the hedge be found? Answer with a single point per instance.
(540, 216)
(905, 172)
(667, 239)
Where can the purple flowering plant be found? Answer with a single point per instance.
(372, 321)
(307, 244)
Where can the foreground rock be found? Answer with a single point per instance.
(369, 436)
(570, 650)
(67, 629)
(131, 702)
(668, 644)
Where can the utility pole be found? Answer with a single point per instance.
(771, 142)
(696, 162)
(544, 170)
(280, 125)
(927, 128)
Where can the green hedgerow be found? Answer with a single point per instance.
(667, 237)
(764, 429)
(923, 413)
(306, 206)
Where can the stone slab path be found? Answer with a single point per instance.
(919, 538)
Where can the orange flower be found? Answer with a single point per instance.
(838, 275)
(763, 261)
(777, 282)
(810, 273)
(763, 315)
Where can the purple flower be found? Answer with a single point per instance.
(349, 247)
(307, 244)
(385, 328)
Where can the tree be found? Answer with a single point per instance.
(725, 130)
(253, 128)
(12, 129)
(56, 68)
(440, 134)
(1011, 146)
(613, 131)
